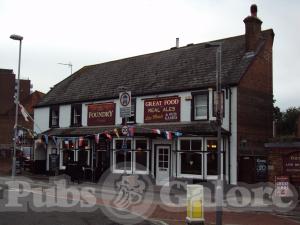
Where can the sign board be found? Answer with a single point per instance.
(261, 169)
(125, 104)
(291, 167)
(282, 186)
(160, 110)
(101, 114)
(125, 130)
(53, 162)
(195, 200)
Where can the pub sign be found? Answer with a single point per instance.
(101, 114)
(159, 110)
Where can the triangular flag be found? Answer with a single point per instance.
(97, 138)
(24, 113)
(80, 141)
(178, 134)
(107, 135)
(168, 135)
(116, 132)
(131, 130)
(156, 131)
(45, 137)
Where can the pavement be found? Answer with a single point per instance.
(155, 210)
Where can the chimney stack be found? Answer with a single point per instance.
(253, 30)
(177, 42)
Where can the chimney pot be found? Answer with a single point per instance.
(253, 10)
(177, 42)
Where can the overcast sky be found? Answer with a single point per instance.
(94, 31)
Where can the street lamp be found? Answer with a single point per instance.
(16, 38)
(219, 114)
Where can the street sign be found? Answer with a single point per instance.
(125, 104)
(125, 130)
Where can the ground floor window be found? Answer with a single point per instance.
(197, 157)
(190, 157)
(133, 154)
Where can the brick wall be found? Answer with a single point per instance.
(255, 102)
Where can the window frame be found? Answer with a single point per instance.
(74, 108)
(54, 108)
(193, 106)
(133, 152)
(179, 153)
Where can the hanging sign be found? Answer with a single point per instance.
(101, 114)
(125, 104)
(159, 110)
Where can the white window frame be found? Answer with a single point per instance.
(206, 106)
(184, 175)
(115, 170)
(212, 177)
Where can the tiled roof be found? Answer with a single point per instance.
(189, 128)
(187, 68)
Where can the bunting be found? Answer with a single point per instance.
(97, 137)
(80, 142)
(156, 131)
(116, 132)
(131, 130)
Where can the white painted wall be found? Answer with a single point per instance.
(64, 115)
(41, 119)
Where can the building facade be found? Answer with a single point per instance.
(172, 131)
(7, 117)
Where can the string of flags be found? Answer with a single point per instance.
(169, 135)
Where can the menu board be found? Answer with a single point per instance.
(160, 110)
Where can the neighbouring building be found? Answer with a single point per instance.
(172, 125)
(7, 117)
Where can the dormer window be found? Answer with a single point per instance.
(76, 113)
(54, 116)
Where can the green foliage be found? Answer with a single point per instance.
(286, 122)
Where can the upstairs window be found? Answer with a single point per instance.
(54, 116)
(76, 112)
(200, 106)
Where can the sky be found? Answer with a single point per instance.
(86, 32)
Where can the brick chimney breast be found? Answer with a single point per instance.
(253, 30)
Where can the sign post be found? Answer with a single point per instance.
(125, 112)
(195, 199)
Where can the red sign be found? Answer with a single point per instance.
(101, 114)
(281, 186)
(162, 110)
(291, 167)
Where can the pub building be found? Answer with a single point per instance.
(172, 131)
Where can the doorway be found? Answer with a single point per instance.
(162, 164)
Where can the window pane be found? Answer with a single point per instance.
(184, 144)
(141, 144)
(119, 144)
(141, 160)
(212, 163)
(191, 163)
(200, 106)
(212, 145)
(68, 157)
(120, 160)
(82, 157)
(196, 145)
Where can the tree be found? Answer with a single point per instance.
(286, 122)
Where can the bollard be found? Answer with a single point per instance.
(195, 199)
